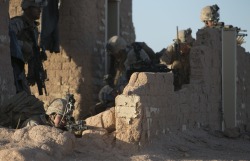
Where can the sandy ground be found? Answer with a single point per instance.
(187, 145)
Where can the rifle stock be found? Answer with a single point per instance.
(36, 73)
(177, 45)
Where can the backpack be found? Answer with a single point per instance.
(137, 46)
(19, 108)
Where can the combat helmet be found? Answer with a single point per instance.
(210, 13)
(115, 44)
(58, 106)
(185, 35)
(35, 3)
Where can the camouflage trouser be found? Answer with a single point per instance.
(186, 69)
(181, 71)
(21, 82)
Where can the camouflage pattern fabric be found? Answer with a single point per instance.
(19, 108)
(180, 67)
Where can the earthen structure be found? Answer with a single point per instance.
(149, 106)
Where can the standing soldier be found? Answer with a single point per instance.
(176, 57)
(23, 33)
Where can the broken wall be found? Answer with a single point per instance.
(6, 76)
(80, 65)
(149, 106)
(243, 87)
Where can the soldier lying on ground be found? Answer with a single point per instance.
(24, 110)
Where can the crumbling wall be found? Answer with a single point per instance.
(149, 106)
(243, 87)
(80, 65)
(6, 75)
(127, 30)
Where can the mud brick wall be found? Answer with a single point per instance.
(149, 106)
(243, 87)
(6, 76)
(79, 67)
(127, 30)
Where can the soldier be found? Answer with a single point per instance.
(23, 33)
(23, 110)
(210, 16)
(126, 58)
(54, 115)
(116, 48)
(176, 57)
(106, 96)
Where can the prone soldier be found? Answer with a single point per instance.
(24, 110)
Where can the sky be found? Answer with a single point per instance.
(155, 21)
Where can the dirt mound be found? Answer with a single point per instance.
(40, 143)
(43, 143)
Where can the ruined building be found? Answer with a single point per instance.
(84, 28)
(216, 97)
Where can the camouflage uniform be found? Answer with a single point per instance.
(106, 96)
(58, 106)
(23, 33)
(176, 57)
(210, 16)
(125, 58)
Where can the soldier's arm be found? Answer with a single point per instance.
(167, 57)
(16, 25)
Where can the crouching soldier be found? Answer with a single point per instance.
(106, 96)
(176, 57)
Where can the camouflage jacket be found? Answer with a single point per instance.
(26, 33)
(36, 120)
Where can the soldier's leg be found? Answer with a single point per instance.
(178, 74)
(19, 76)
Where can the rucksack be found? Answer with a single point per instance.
(137, 46)
(19, 108)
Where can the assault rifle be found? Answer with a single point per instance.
(36, 72)
(71, 124)
(177, 45)
(240, 36)
(155, 68)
